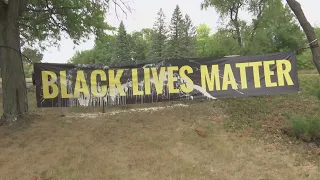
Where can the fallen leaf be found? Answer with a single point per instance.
(201, 133)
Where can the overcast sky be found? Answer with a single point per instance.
(144, 13)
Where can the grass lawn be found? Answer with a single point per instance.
(244, 140)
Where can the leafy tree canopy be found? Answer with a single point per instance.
(50, 19)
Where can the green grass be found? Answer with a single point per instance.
(306, 128)
(255, 111)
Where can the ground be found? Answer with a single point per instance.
(174, 140)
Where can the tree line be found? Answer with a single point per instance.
(273, 29)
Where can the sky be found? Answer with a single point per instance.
(143, 15)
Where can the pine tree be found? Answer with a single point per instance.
(122, 47)
(175, 48)
(158, 38)
(189, 38)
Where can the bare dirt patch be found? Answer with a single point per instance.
(161, 144)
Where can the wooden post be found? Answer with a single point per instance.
(103, 111)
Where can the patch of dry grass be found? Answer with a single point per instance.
(159, 141)
(160, 144)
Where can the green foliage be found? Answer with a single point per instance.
(139, 46)
(275, 32)
(224, 44)
(159, 38)
(104, 48)
(182, 36)
(100, 54)
(306, 128)
(46, 20)
(273, 27)
(203, 42)
(222, 6)
(33, 56)
(189, 38)
(219, 44)
(304, 59)
(122, 52)
(84, 57)
(254, 111)
(310, 86)
(175, 45)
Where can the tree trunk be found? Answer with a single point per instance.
(236, 24)
(14, 88)
(308, 30)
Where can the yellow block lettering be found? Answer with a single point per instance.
(210, 81)
(284, 73)
(158, 80)
(81, 85)
(46, 84)
(188, 87)
(172, 79)
(256, 73)
(63, 84)
(268, 73)
(135, 83)
(228, 78)
(114, 82)
(243, 74)
(147, 88)
(94, 84)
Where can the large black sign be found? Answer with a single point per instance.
(66, 85)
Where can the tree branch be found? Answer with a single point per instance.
(256, 23)
(260, 11)
(51, 9)
(119, 5)
(26, 25)
(38, 19)
(51, 17)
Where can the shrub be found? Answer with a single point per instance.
(304, 61)
(310, 85)
(306, 128)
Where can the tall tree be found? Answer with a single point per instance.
(147, 37)
(229, 9)
(277, 31)
(175, 46)
(103, 49)
(269, 29)
(31, 21)
(158, 38)
(223, 43)
(84, 57)
(189, 38)
(203, 40)
(308, 30)
(219, 44)
(122, 51)
(138, 46)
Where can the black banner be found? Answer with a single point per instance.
(67, 85)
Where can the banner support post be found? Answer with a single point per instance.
(103, 111)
